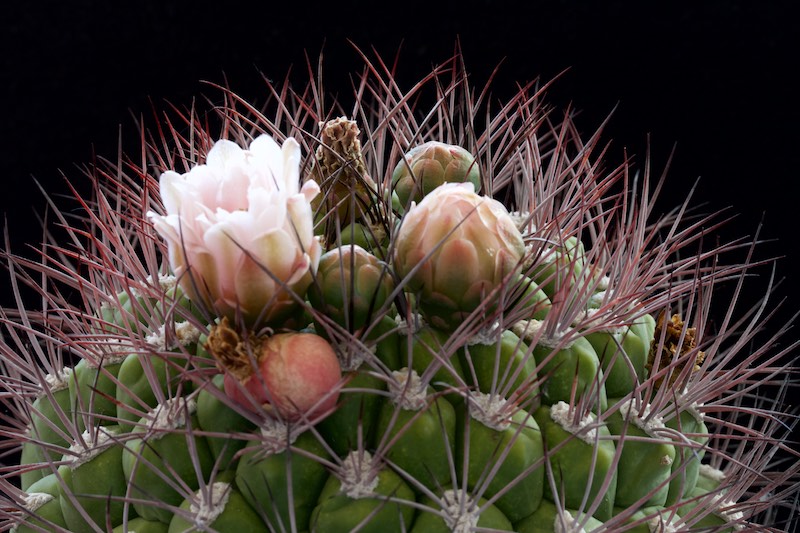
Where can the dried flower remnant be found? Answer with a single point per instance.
(348, 192)
(679, 342)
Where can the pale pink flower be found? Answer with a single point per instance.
(240, 229)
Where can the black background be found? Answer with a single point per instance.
(716, 80)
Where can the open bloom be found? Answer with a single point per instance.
(240, 229)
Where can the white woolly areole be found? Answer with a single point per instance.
(171, 414)
(35, 500)
(658, 524)
(404, 328)
(566, 524)
(352, 355)
(407, 390)
(358, 475)
(461, 513)
(712, 473)
(597, 298)
(208, 505)
(113, 351)
(729, 515)
(561, 413)
(603, 283)
(628, 411)
(589, 315)
(529, 330)
(166, 283)
(489, 410)
(693, 408)
(523, 221)
(59, 380)
(486, 336)
(276, 436)
(185, 333)
(87, 447)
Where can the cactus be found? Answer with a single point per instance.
(422, 347)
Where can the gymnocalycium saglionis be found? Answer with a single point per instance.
(409, 310)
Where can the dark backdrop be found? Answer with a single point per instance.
(714, 79)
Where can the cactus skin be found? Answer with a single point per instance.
(337, 512)
(490, 517)
(236, 514)
(425, 439)
(263, 478)
(579, 469)
(49, 513)
(154, 463)
(547, 519)
(510, 451)
(574, 260)
(644, 465)
(575, 363)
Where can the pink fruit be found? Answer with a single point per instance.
(298, 376)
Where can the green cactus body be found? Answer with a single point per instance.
(135, 394)
(649, 520)
(156, 461)
(581, 457)
(548, 519)
(32, 456)
(178, 306)
(368, 239)
(559, 268)
(533, 299)
(333, 345)
(571, 371)
(356, 413)
(496, 457)
(696, 512)
(421, 429)
(93, 391)
(49, 409)
(623, 356)
(426, 351)
(96, 481)
(646, 460)
(44, 501)
(504, 366)
(219, 507)
(385, 338)
(141, 525)
(215, 415)
(453, 513)
(280, 483)
(708, 479)
(372, 501)
(688, 455)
